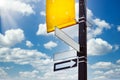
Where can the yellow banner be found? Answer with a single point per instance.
(60, 13)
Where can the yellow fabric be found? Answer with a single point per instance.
(60, 13)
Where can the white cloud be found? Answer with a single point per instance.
(29, 74)
(116, 47)
(89, 14)
(106, 70)
(50, 45)
(42, 63)
(42, 13)
(7, 68)
(98, 73)
(3, 74)
(29, 44)
(113, 74)
(36, 59)
(30, 1)
(11, 37)
(118, 28)
(42, 30)
(102, 65)
(21, 56)
(98, 47)
(61, 75)
(100, 78)
(97, 25)
(118, 61)
(16, 6)
(101, 23)
(98, 30)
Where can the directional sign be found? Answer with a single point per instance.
(65, 64)
(60, 13)
(65, 55)
(60, 34)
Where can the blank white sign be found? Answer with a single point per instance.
(64, 55)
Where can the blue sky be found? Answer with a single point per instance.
(26, 50)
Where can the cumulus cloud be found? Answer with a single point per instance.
(102, 65)
(101, 23)
(36, 59)
(116, 47)
(21, 56)
(29, 74)
(3, 74)
(61, 75)
(11, 37)
(118, 61)
(97, 28)
(7, 68)
(98, 47)
(118, 28)
(50, 45)
(98, 72)
(42, 13)
(100, 78)
(29, 43)
(31, 1)
(106, 71)
(89, 14)
(39, 61)
(42, 30)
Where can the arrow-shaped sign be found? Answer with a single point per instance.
(60, 34)
(65, 64)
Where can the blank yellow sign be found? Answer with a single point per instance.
(60, 13)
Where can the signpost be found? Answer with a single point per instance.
(82, 66)
(65, 64)
(60, 34)
(80, 47)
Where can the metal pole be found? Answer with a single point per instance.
(82, 65)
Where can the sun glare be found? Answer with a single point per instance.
(7, 16)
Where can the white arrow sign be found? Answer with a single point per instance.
(60, 34)
(65, 64)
